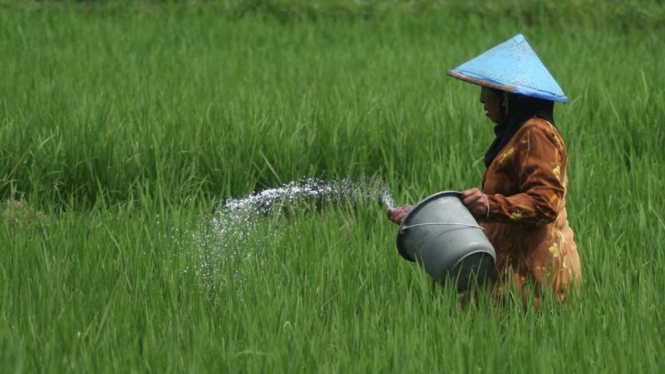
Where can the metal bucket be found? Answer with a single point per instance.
(442, 235)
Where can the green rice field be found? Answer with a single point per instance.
(125, 126)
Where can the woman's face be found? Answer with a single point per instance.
(492, 103)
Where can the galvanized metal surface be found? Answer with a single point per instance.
(441, 224)
(511, 66)
(441, 234)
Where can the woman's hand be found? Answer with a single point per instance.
(397, 214)
(476, 202)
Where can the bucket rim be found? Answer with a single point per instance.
(417, 207)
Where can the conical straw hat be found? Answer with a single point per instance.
(511, 66)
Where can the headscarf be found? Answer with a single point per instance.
(520, 108)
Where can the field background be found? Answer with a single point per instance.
(124, 125)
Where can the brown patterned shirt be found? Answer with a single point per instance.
(527, 223)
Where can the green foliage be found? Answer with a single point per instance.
(194, 104)
(123, 124)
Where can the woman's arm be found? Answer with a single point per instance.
(539, 162)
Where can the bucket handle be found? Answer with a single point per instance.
(441, 224)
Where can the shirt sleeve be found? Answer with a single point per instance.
(540, 165)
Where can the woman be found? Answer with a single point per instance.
(522, 202)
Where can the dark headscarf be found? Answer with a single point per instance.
(520, 109)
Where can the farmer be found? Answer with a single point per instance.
(522, 204)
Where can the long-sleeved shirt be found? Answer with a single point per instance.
(527, 222)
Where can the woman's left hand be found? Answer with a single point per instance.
(398, 214)
(476, 202)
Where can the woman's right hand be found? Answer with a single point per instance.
(397, 214)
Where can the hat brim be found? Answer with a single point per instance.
(480, 82)
(512, 89)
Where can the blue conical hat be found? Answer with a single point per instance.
(511, 66)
